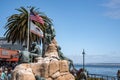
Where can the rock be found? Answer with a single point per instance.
(49, 79)
(64, 66)
(22, 66)
(53, 67)
(69, 77)
(44, 70)
(52, 54)
(54, 59)
(64, 73)
(47, 60)
(54, 42)
(39, 59)
(22, 73)
(56, 75)
(36, 67)
(60, 78)
(51, 48)
(50, 67)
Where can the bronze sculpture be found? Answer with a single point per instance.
(36, 51)
(24, 57)
(62, 57)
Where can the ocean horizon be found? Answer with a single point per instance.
(99, 64)
(107, 69)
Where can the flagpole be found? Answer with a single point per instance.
(28, 35)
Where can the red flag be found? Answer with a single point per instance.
(35, 29)
(36, 17)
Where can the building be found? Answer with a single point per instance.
(5, 44)
(8, 55)
(9, 51)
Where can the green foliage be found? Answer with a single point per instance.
(17, 26)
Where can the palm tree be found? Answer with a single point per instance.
(17, 26)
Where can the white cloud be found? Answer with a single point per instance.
(113, 4)
(113, 9)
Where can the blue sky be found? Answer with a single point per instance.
(93, 25)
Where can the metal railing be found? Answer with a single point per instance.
(101, 77)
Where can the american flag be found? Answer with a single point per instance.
(36, 17)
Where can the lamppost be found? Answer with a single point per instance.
(83, 59)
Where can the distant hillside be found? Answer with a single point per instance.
(101, 64)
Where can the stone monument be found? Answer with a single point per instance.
(49, 66)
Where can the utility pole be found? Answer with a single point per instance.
(83, 59)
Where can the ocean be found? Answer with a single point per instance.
(107, 70)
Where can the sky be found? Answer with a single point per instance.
(92, 25)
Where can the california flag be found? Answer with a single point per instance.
(35, 29)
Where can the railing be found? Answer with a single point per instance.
(101, 77)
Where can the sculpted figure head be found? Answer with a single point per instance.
(34, 43)
(58, 47)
